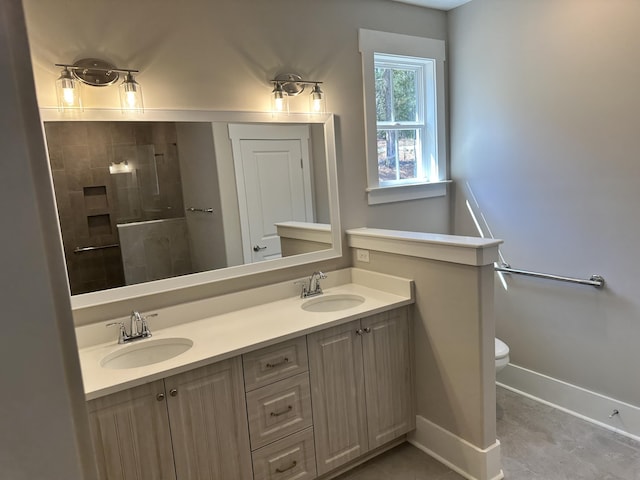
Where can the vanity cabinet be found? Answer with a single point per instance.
(185, 427)
(361, 386)
(131, 436)
(280, 412)
(290, 411)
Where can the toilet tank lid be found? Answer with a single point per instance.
(501, 348)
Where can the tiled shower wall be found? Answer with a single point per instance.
(91, 201)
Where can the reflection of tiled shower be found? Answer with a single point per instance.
(144, 184)
(154, 249)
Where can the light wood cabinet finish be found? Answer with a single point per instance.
(130, 432)
(209, 423)
(292, 458)
(274, 363)
(338, 395)
(279, 409)
(361, 386)
(191, 426)
(314, 404)
(388, 376)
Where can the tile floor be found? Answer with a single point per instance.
(538, 443)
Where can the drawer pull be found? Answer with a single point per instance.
(277, 364)
(282, 470)
(277, 414)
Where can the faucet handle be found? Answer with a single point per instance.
(122, 333)
(145, 332)
(305, 287)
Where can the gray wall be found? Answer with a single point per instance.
(199, 54)
(545, 115)
(43, 425)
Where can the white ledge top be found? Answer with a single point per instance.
(434, 246)
(313, 232)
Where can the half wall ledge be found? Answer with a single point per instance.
(473, 251)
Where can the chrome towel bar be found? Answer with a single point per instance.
(595, 280)
(89, 249)
(200, 210)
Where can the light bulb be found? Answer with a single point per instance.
(279, 104)
(131, 99)
(317, 104)
(69, 96)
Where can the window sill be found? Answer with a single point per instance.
(401, 193)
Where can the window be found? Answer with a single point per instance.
(404, 116)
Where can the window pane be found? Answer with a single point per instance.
(404, 95)
(397, 154)
(383, 95)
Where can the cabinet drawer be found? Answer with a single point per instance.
(279, 409)
(274, 363)
(292, 458)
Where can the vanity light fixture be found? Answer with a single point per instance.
(121, 167)
(96, 73)
(317, 101)
(68, 91)
(290, 85)
(279, 99)
(131, 94)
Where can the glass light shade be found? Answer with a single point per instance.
(68, 91)
(279, 100)
(131, 95)
(317, 100)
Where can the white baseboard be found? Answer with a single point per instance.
(585, 404)
(456, 453)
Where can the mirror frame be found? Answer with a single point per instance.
(129, 292)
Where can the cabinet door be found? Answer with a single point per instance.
(337, 395)
(208, 420)
(130, 432)
(388, 374)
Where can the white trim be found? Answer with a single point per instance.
(370, 43)
(413, 191)
(577, 401)
(456, 453)
(448, 248)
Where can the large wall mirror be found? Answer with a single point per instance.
(169, 199)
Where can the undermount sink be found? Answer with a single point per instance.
(146, 352)
(332, 303)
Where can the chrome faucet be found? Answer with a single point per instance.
(138, 327)
(312, 286)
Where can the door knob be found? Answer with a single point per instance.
(257, 248)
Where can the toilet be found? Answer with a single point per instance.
(502, 355)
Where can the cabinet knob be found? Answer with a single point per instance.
(359, 331)
(173, 392)
(367, 330)
(160, 397)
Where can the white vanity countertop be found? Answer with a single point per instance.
(229, 334)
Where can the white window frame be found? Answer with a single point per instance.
(373, 42)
